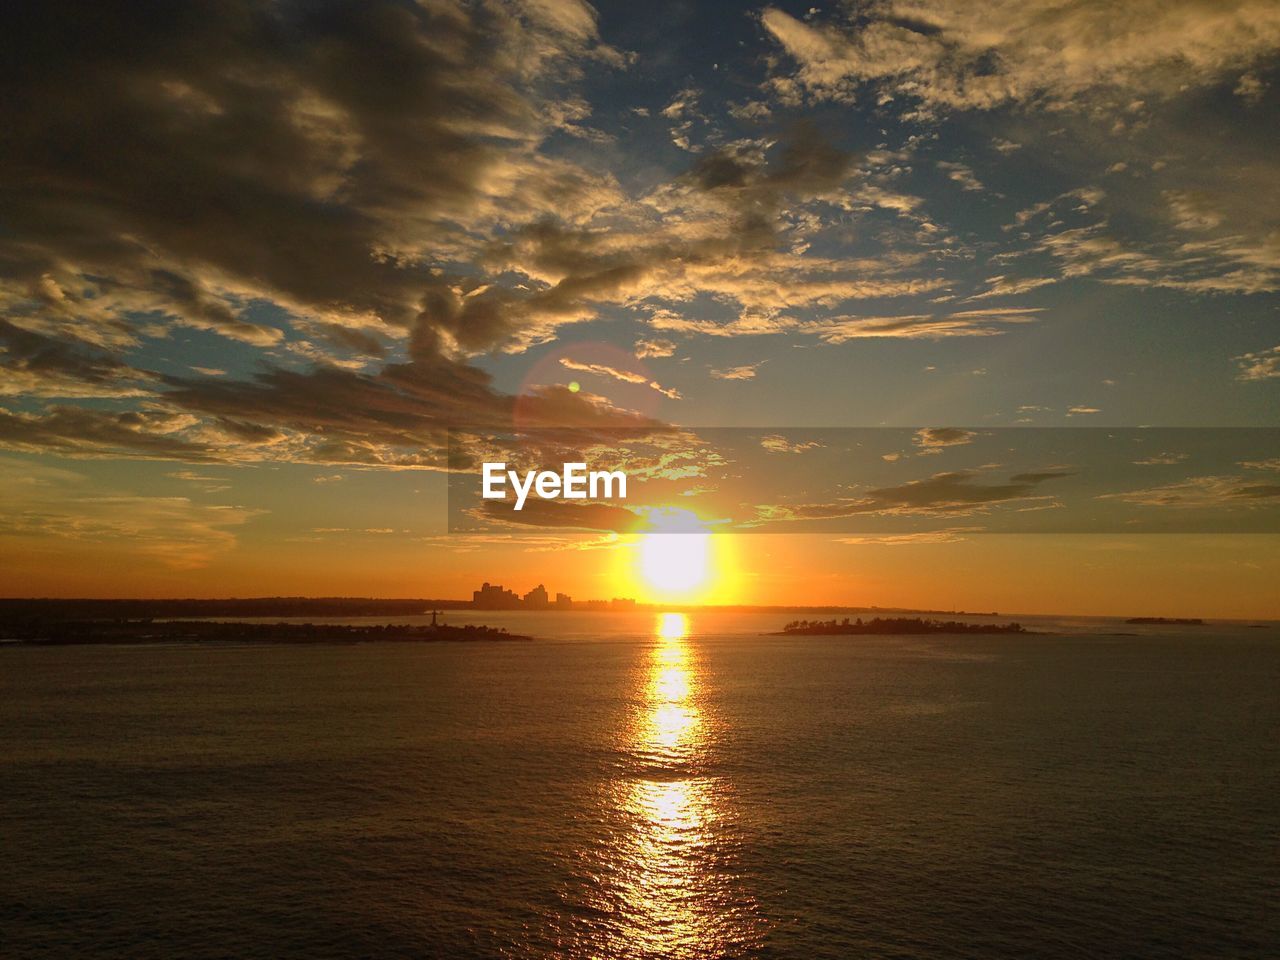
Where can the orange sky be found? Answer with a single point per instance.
(1212, 576)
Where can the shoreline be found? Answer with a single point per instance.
(146, 631)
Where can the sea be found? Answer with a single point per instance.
(647, 785)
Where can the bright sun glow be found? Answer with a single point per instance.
(675, 562)
(673, 626)
(685, 561)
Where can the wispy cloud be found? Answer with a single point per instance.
(936, 439)
(744, 372)
(1202, 492)
(965, 323)
(1262, 365)
(949, 53)
(60, 505)
(953, 535)
(950, 493)
(776, 443)
(655, 347)
(961, 174)
(626, 376)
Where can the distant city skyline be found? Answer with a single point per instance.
(493, 596)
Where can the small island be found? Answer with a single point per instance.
(1169, 621)
(146, 630)
(887, 626)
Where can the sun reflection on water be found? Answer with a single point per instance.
(672, 626)
(671, 722)
(676, 897)
(661, 881)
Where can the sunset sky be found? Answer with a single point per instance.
(258, 259)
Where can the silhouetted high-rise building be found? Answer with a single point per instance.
(494, 597)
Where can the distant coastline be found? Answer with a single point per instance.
(61, 632)
(299, 610)
(291, 607)
(893, 626)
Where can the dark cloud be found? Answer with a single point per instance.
(958, 54)
(806, 165)
(180, 162)
(932, 439)
(1203, 493)
(1259, 491)
(43, 366)
(77, 431)
(724, 232)
(954, 492)
(404, 405)
(170, 153)
(400, 416)
(564, 514)
(373, 170)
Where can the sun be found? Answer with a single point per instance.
(675, 562)
(681, 561)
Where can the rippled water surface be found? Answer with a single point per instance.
(671, 786)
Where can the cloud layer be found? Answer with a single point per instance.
(963, 55)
